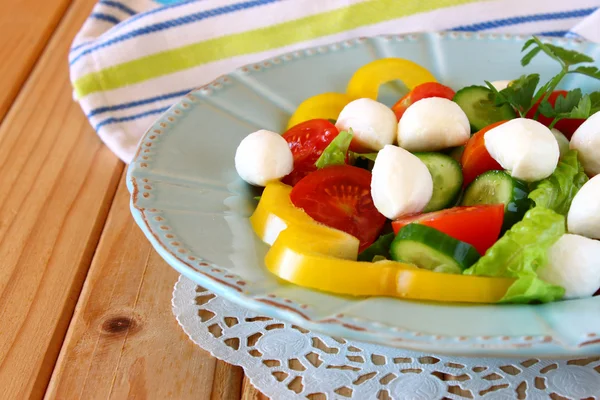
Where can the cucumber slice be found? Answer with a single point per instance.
(495, 187)
(447, 179)
(477, 103)
(431, 249)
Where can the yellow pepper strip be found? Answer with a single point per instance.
(324, 105)
(312, 255)
(366, 80)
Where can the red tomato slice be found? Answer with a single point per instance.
(566, 126)
(423, 91)
(340, 197)
(477, 225)
(476, 160)
(307, 140)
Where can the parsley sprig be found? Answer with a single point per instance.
(522, 95)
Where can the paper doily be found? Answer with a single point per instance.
(285, 361)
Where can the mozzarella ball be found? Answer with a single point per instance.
(584, 214)
(524, 147)
(500, 85)
(433, 124)
(574, 264)
(373, 124)
(401, 183)
(563, 142)
(586, 140)
(263, 157)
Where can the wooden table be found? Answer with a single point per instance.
(85, 307)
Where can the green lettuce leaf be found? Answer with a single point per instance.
(558, 190)
(379, 248)
(520, 252)
(335, 152)
(530, 288)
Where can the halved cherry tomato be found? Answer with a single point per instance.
(566, 126)
(477, 225)
(476, 159)
(307, 140)
(423, 91)
(340, 197)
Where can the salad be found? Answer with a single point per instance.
(483, 195)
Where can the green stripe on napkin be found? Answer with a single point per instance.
(275, 36)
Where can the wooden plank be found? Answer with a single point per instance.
(25, 28)
(227, 382)
(249, 392)
(57, 182)
(123, 341)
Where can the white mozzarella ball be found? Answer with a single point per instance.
(373, 124)
(500, 85)
(574, 264)
(524, 147)
(584, 213)
(263, 157)
(401, 183)
(563, 142)
(586, 140)
(433, 124)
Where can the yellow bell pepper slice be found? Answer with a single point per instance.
(366, 80)
(324, 105)
(309, 254)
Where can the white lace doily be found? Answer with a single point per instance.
(285, 361)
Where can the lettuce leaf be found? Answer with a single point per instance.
(335, 153)
(558, 190)
(380, 247)
(520, 252)
(530, 288)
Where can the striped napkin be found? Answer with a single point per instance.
(132, 59)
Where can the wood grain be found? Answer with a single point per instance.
(227, 381)
(57, 182)
(249, 392)
(25, 28)
(124, 341)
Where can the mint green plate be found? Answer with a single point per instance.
(190, 203)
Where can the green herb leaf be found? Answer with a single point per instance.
(564, 104)
(519, 94)
(595, 102)
(583, 109)
(335, 152)
(528, 44)
(529, 56)
(569, 57)
(593, 72)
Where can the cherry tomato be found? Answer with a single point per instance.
(307, 140)
(477, 225)
(476, 160)
(340, 197)
(566, 126)
(423, 91)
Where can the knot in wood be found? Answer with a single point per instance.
(116, 325)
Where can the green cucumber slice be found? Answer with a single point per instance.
(431, 249)
(477, 103)
(447, 179)
(495, 187)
